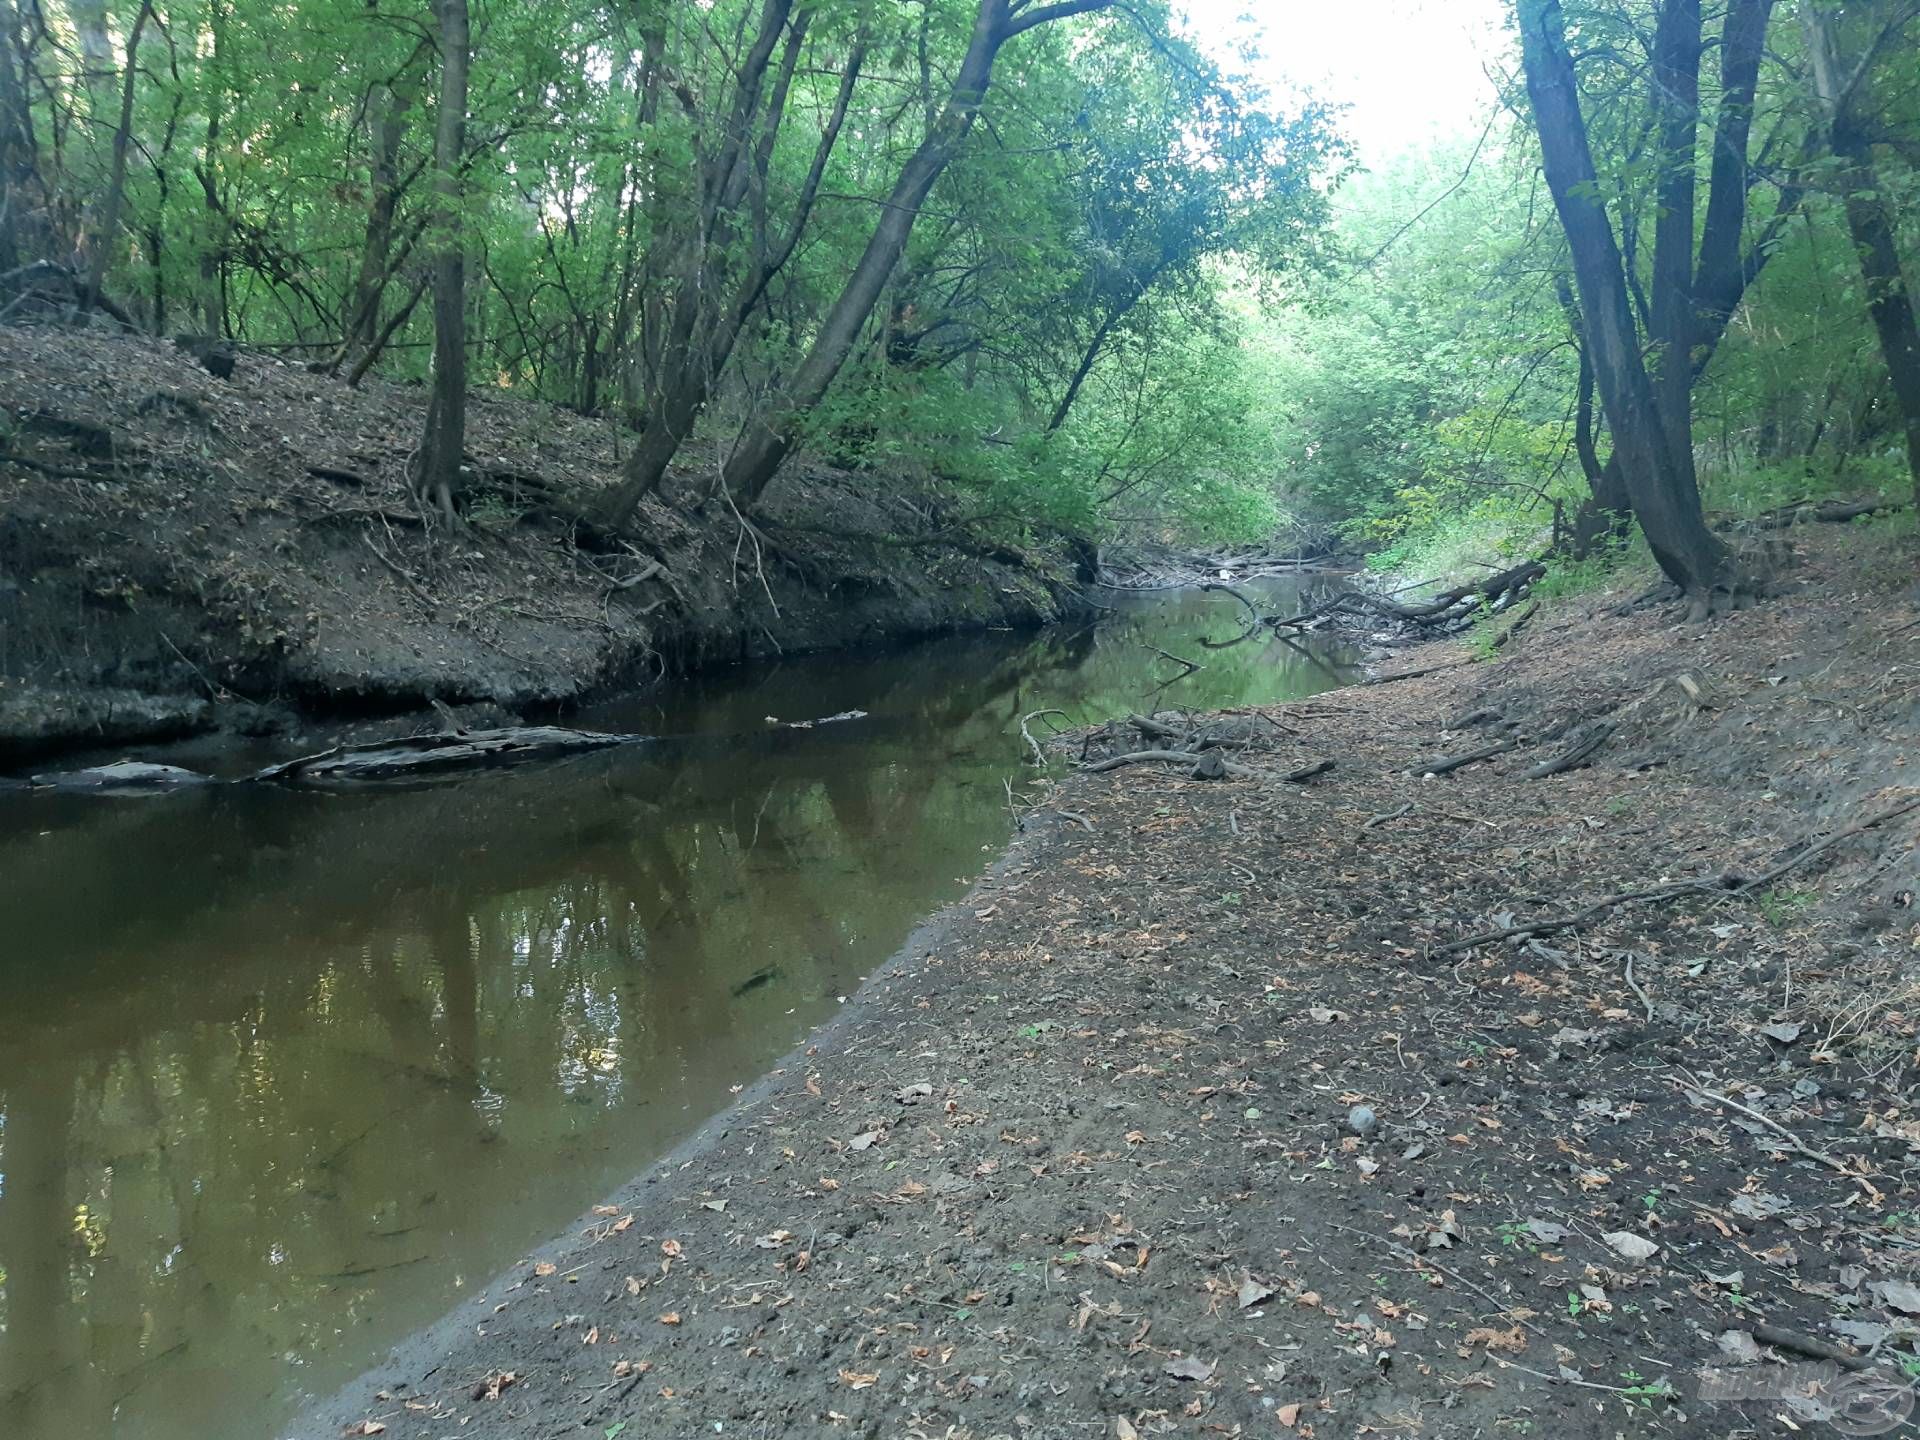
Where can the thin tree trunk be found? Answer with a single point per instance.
(766, 445)
(108, 238)
(1675, 102)
(437, 474)
(1664, 499)
(386, 129)
(1889, 301)
(19, 163)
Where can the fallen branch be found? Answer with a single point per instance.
(1693, 1086)
(1575, 756)
(1660, 894)
(1805, 1345)
(1415, 674)
(1174, 757)
(1307, 772)
(1039, 755)
(1500, 640)
(1447, 764)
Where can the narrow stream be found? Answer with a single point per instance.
(283, 1074)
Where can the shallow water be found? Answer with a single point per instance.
(283, 1074)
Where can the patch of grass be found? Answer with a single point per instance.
(1780, 906)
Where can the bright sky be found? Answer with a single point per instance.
(1410, 69)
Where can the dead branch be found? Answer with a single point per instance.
(1575, 755)
(1415, 674)
(1208, 759)
(1039, 755)
(1447, 764)
(1661, 894)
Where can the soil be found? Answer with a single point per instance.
(1196, 1118)
(180, 553)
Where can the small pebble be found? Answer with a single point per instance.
(1362, 1121)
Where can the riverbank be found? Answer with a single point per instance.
(181, 554)
(1218, 1107)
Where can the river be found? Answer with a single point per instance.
(284, 1073)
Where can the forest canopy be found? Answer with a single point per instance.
(1072, 264)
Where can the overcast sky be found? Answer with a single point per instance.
(1410, 69)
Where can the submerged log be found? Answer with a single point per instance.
(123, 777)
(437, 754)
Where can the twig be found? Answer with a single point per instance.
(1634, 985)
(1505, 1307)
(1378, 820)
(1693, 1086)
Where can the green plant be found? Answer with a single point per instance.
(1779, 906)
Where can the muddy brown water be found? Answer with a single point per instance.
(283, 1074)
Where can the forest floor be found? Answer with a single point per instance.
(180, 553)
(1200, 1116)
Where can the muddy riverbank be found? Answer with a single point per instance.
(1234, 1106)
(181, 554)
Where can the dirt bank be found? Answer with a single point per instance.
(1199, 1117)
(179, 552)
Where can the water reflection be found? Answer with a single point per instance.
(282, 1073)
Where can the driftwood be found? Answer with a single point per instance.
(382, 761)
(436, 754)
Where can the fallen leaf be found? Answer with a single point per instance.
(914, 1094)
(1786, 1032)
(1252, 1292)
(719, 1206)
(670, 1248)
(1123, 1429)
(1901, 1295)
(864, 1141)
(672, 1317)
(854, 1380)
(1508, 1342)
(1287, 1415)
(365, 1427)
(545, 1268)
(1632, 1246)
(1188, 1367)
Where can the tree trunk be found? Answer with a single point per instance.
(386, 128)
(437, 475)
(1889, 301)
(687, 351)
(1665, 499)
(767, 443)
(1675, 103)
(115, 200)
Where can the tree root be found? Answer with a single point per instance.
(1447, 764)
